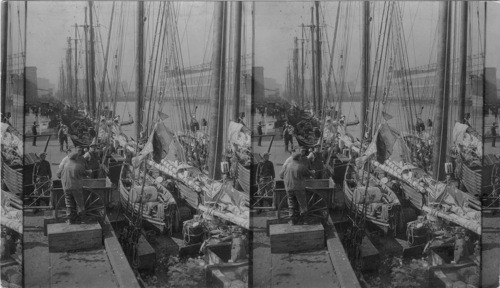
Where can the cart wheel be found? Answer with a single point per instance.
(94, 207)
(317, 208)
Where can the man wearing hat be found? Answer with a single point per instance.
(62, 134)
(288, 135)
(259, 131)
(265, 176)
(494, 133)
(42, 175)
(316, 162)
(71, 175)
(294, 174)
(34, 130)
(92, 158)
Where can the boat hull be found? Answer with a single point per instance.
(166, 218)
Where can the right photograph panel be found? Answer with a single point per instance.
(368, 145)
(491, 171)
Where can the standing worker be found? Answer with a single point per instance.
(35, 132)
(294, 175)
(63, 137)
(316, 162)
(71, 176)
(288, 135)
(494, 133)
(42, 176)
(265, 176)
(92, 158)
(259, 131)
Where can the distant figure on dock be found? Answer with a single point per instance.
(62, 134)
(429, 123)
(467, 119)
(259, 131)
(195, 126)
(71, 176)
(34, 130)
(420, 126)
(294, 174)
(288, 136)
(494, 133)
(265, 176)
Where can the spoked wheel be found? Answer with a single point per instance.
(95, 209)
(317, 208)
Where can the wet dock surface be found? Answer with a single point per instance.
(62, 269)
(306, 269)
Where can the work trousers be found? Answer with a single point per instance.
(73, 199)
(61, 142)
(288, 139)
(34, 140)
(297, 203)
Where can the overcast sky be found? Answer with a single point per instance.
(277, 23)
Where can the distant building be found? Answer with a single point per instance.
(31, 84)
(491, 88)
(45, 88)
(421, 82)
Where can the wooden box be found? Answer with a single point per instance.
(286, 238)
(64, 237)
(146, 253)
(370, 255)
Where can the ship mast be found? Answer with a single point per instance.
(313, 63)
(139, 77)
(237, 59)
(87, 82)
(318, 62)
(217, 99)
(5, 22)
(463, 62)
(76, 68)
(365, 68)
(439, 150)
(92, 62)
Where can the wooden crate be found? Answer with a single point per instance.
(287, 238)
(146, 254)
(64, 237)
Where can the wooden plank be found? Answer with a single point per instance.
(287, 238)
(343, 269)
(66, 237)
(123, 272)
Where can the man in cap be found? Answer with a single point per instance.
(71, 175)
(288, 135)
(294, 174)
(265, 176)
(316, 162)
(259, 131)
(34, 130)
(92, 158)
(42, 176)
(62, 134)
(494, 133)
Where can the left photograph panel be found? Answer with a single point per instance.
(14, 86)
(135, 171)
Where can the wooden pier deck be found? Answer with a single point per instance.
(328, 267)
(103, 267)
